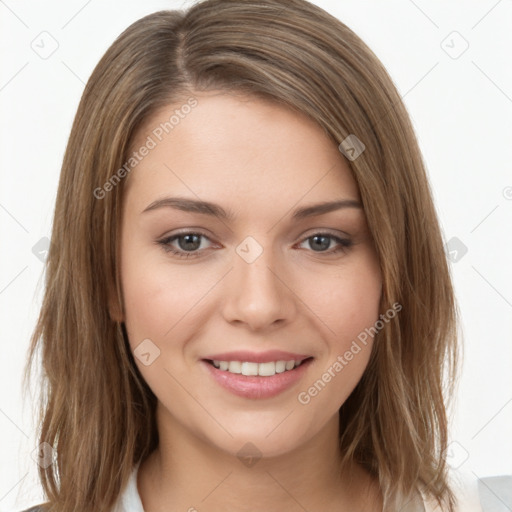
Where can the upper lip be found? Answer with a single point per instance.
(257, 357)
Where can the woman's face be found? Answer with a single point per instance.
(263, 275)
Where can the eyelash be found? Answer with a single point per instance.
(344, 243)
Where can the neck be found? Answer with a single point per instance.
(190, 474)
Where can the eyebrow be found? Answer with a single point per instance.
(215, 210)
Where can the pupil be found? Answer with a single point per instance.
(324, 245)
(192, 242)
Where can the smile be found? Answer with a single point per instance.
(253, 380)
(250, 368)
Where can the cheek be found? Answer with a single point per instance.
(161, 305)
(154, 298)
(349, 310)
(347, 302)
(162, 301)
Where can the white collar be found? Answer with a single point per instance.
(129, 499)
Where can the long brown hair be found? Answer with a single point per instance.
(95, 408)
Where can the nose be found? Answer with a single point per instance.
(259, 293)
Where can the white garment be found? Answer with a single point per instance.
(464, 487)
(129, 499)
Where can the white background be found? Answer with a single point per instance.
(462, 112)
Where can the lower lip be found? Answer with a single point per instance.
(256, 387)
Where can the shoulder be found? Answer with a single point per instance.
(464, 488)
(473, 494)
(128, 501)
(495, 493)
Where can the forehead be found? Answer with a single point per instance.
(241, 150)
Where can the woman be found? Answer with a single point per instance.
(248, 304)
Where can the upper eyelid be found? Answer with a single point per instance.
(312, 232)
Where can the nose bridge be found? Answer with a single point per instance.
(255, 268)
(258, 295)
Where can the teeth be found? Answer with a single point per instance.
(280, 366)
(267, 369)
(250, 368)
(261, 369)
(235, 367)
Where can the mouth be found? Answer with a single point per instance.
(257, 380)
(253, 369)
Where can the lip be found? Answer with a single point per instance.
(257, 387)
(257, 357)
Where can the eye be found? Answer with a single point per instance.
(319, 242)
(189, 244)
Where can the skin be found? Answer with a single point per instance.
(260, 161)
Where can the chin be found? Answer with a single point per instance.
(272, 436)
